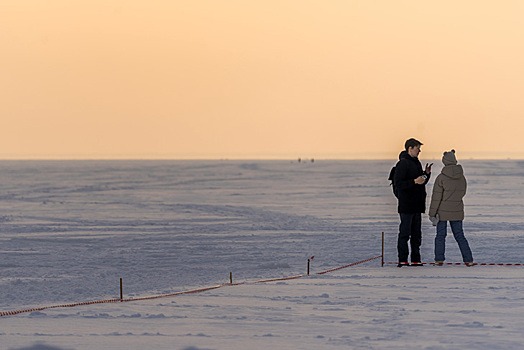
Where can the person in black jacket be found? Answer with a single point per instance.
(410, 180)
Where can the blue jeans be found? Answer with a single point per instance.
(458, 233)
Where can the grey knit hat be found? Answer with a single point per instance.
(449, 158)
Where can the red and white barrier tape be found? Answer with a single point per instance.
(279, 279)
(349, 265)
(192, 291)
(459, 263)
(35, 309)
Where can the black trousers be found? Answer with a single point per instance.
(410, 229)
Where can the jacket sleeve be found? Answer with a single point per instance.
(436, 198)
(402, 181)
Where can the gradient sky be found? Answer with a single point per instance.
(260, 79)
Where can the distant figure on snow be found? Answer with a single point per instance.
(410, 181)
(447, 205)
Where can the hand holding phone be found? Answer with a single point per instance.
(421, 179)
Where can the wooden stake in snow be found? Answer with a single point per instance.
(121, 290)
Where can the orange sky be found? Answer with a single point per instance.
(260, 79)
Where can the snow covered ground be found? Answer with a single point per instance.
(70, 230)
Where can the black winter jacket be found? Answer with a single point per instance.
(411, 197)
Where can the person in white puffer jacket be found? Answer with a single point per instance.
(447, 205)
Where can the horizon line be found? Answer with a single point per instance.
(391, 155)
(243, 158)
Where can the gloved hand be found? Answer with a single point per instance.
(434, 220)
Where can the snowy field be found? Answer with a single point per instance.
(69, 230)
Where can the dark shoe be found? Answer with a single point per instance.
(439, 263)
(470, 263)
(416, 263)
(403, 263)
